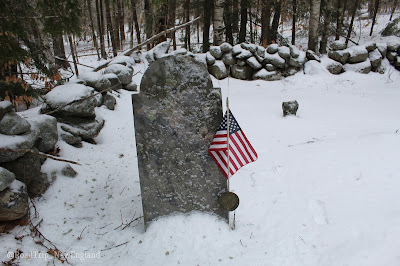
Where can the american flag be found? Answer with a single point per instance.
(240, 150)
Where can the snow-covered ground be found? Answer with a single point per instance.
(324, 191)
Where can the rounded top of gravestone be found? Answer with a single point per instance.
(174, 73)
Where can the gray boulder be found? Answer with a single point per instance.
(357, 54)
(311, 55)
(216, 52)
(363, 67)
(36, 182)
(272, 48)
(260, 51)
(332, 66)
(69, 171)
(253, 62)
(13, 124)
(244, 54)
(228, 59)
(135, 57)
(294, 52)
(25, 141)
(201, 58)
(159, 51)
(284, 52)
(340, 56)
(338, 45)
(149, 56)
(237, 49)
(83, 103)
(290, 108)
(218, 70)
(241, 62)
(397, 64)
(370, 46)
(123, 60)
(376, 59)
(95, 80)
(5, 107)
(290, 71)
(267, 75)
(241, 72)
(109, 101)
(85, 130)
(6, 178)
(71, 139)
(114, 80)
(131, 86)
(44, 127)
(124, 73)
(249, 46)
(270, 67)
(210, 59)
(13, 202)
(225, 47)
(382, 47)
(391, 56)
(393, 45)
(298, 61)
(274, 59)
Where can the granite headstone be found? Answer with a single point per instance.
(176, 114)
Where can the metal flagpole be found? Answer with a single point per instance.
(227, 130)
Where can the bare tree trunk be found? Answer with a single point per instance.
(110, 29)
(313, 25)
(243, 21)
(353, 15)
(235, 16)
(71, 43)
(326, 11)
(59, 51)
(121, 20)
(100, 24)
(228, 21)
(171, 20)
(294, 15)
(374, 17)
(265, 21)
(148, 24)
(187, 19)
(135, 21)
(88, 2)
(116, 28)
(338, 20)
(207, 21)
(393, 9)
(218, 22)
(271, 37)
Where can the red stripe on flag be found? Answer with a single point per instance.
(239, 149)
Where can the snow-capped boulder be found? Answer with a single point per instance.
(216, 52)
(241, 72)
(236, 49)
(149, 56)
(131, 86)
(160, 50)
(370, 46)
(210, 59)
(393, 45)
(109, 101)
(267, 75)
(124, 73)
(340, 56)
(253, 62)
(241, 62)
(13, 202)
(44, 128)
(249, 46)
(260, 51)
(299, 61)
(376, 59)
(363, 67)
(313, 67)
(228, 59)
(244, 54)
(24, 141)
(114, 80)
(311, 55)
(338, 45)
(274, 59)
(272, 48)
(135, 57)
(5, 107)
(294, 52)
(68, 93)
(332, 66)
(218, 70)
(85, 130)
(270, 67)
(284, 52)
(357, 54)
(95, 80)
(13, 124)
(225, 47)
(6, 178)
(382, 47)
(201, 58)
(391, 56)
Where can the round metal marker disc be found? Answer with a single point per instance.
(229, 201)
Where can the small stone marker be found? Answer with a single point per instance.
(290, 108)
(176, 116)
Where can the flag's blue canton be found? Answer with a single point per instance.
(233, 125)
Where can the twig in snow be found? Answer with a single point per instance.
(122, 190)
(39, 154)
(80, 236)
(115, 246)
(308, 142)
(302, 240)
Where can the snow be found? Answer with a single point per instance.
(5, 104)
(16, 186)
(67, 93)
(315, 68)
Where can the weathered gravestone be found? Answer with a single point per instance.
(176, 116)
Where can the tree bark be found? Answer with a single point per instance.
(187, 19)
(294, 18)
(218, 29)
(338, 20)
(135, 21)
(96, 45)
(228, 21)
(271, 37)
(265, 21)
(353, 15)
(121, 19)
(243, 21)
(393, 9)
(71, 43)
(116, 28)
(313, 25)
(110, 29)
(171, 20)
(148, 23)
(207, 9)
(235, 16)
(376, 7)
(59, 51)
(100, 25)
(326, 11)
